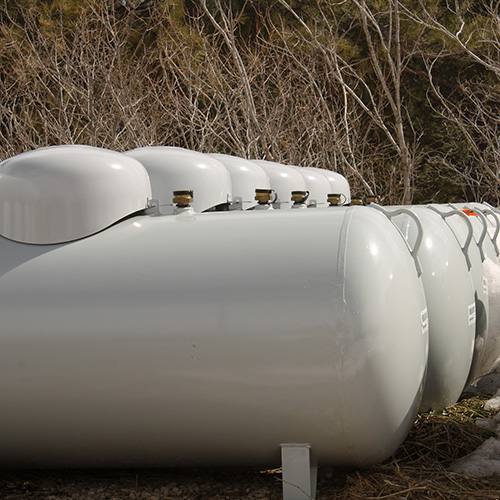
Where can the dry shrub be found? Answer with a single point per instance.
(115, 77)
(326, 90)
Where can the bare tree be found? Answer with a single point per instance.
(383, 102)
(469, 111)
(325, 90)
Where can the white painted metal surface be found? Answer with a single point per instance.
(461, 226)
(284, 180)
(338, 183)
(246, 177)
(300, 473)
(318, 186)
(176, 169)
(62, 193)
(483, 234)
(489, 216)
(451, 308)
(211, 339)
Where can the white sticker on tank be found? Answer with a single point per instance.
(424, 317)
(472, 314)
(485, 286)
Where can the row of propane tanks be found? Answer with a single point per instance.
(455, 248)
(139, 333)
(112, 185)
(220, 181)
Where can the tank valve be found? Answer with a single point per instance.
(357, 200)
(371, 199)
(334, 199)
(299, 198)
(263, 196)
(183, 199)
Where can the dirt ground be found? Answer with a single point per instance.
(195, 484)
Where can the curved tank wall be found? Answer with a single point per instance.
(462, 230)
(62, 193)
(451, 307)
(177, 169)
(246, 177)
(141, 346)
(338, 183)
(284, 180)
(491, 217)
(318, 186)
(483, 234)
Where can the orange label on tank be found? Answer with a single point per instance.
(469, 212)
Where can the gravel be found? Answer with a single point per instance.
(168, 484)
(156, 484)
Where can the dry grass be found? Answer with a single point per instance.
(419, 468)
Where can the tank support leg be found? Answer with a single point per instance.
(299, 472)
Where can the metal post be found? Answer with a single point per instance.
(299, 474)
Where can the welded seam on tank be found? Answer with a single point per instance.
(341, 275)
(342, 251)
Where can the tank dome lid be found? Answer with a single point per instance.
(317, 184)
(246, 177)
(63, 193)
(338, 182)
(178, 169)
(284, 179)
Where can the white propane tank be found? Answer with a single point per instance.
(491, 217)
(211, 339)
(461, 226)
(317, 185)
(246, 177)
(284, 180)
(481, 234)
(177, 169)
(338, 183)
(62, 193)
(451, 308)
(491, 268)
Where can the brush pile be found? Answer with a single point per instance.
(419, 470)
